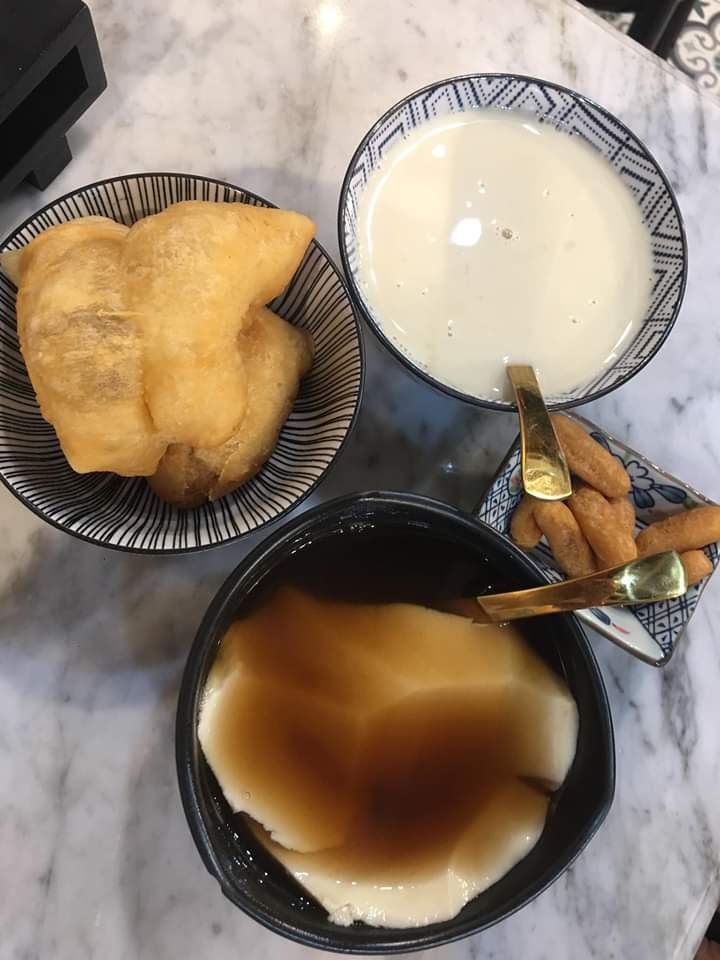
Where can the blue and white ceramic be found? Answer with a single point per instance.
(649, 632)
(124, 513)
(568, 111)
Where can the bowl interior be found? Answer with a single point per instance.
(404, 548)
(124, 513)
(571, 112)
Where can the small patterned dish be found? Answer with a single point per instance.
(124, 513)
(650, 632)
(568, 111)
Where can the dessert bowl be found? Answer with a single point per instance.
(479, 558)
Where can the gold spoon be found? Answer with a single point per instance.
(545, 473)
(659, 577)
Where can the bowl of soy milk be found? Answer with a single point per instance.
(493, 219)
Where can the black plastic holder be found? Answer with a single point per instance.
(50, 72)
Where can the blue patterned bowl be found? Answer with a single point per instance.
(568, 111)
(649, 632)
(124, 513)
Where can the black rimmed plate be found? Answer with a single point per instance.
(124, 513)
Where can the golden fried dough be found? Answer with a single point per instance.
(564, 537)
(192, 273)
(82, 347)
(523, 526)
(697, 565)
(589, 460)
(152, 339)
(624, 513)
(181, 478)
(10, 261)
(612, 542)
(600, 519)
(683, 531)
(275, 356)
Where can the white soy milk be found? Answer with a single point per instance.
(487, 237)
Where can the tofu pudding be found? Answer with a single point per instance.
(395, 759)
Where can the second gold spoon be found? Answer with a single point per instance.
(649, 579)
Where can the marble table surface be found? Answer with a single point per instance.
(95, 857)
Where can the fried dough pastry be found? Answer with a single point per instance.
(697, 566)
(589, 460)
(192, 272)
(612, 541)
(523, 526)
(155, 338)
(684, 531)
(565, 538)
(597, 523)
(623, 513)
(275, 356)
(82, 347)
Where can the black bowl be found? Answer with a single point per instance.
(450, 555)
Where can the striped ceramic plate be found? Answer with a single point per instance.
(124, 513)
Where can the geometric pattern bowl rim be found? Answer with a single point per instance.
(387, 342)
(201, 548)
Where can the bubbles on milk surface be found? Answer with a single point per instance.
(484, 217)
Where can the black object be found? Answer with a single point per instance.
(656, 24)
(359, 527)
(713, 932)
(50, 73)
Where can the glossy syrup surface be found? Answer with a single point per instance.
(395, 758)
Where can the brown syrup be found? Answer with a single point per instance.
(377, 744)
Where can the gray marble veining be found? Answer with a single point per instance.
(95, 857)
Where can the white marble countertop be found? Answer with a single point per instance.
(95, 857)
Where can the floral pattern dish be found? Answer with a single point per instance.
(649, 632)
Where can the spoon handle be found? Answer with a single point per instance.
(545, 472)
(659, 577)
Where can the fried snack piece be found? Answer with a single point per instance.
(83, 348)
(193, 271)
(276, 355)
(523, 526)
(683, 531)
(612, 542)
(565, 538)
(590, 461)
(181, 478)
(624, 513)
(697, 565)
(10, 261)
